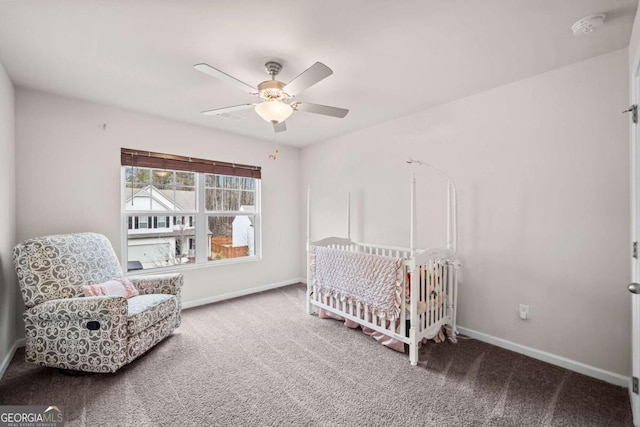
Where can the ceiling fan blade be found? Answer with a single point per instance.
(307, 78)
(279, 127)
(223, 110)
(320, 109)
(213, 72)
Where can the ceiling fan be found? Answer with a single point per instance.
(274, 94)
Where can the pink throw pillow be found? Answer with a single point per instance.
(118, 286)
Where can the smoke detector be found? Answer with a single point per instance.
(587, 24)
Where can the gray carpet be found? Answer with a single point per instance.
(260, 360)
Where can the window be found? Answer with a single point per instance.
(143, 222)
(180, 211)
(230, 209)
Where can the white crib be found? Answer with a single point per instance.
(429, 284)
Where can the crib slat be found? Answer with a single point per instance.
(403, 303)
(427, 280)
(434, 285)
(423, 298)
(442, 290)
(440, 286)
(438, 289)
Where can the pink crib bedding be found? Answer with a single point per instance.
(375, 282)
(378, 336)
(362, 279)
(383, 339)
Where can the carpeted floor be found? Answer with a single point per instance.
(260, 360)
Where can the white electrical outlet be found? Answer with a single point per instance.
(524, 311)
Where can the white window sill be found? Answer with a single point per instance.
(179, 268)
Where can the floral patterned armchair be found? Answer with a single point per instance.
(67, 330)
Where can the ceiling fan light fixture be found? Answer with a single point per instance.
(274, 111)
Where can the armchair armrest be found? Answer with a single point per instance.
(158, 284)
(74, 309)
(87, 334)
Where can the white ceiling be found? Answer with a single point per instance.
(390, 58)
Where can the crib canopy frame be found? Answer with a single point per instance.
(425, 313)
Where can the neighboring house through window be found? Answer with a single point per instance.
(178, 210)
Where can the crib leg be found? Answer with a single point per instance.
(452, 334)
(310, 307)
(413, 347)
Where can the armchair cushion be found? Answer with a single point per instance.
(146, 310)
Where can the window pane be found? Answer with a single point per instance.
(161, 222)
(232, 182)
(174, 199)
(230, 200)
(137, 190)
(229, 193)
(231, 236)
(166, 246)
(248, 184)
(162, 178)
(247, 198)
(139, 176)
(157, 189)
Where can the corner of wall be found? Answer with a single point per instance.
(9, 315)
(634, 43)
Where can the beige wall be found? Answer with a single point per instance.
(543, 177)
(68, 179)
(9, 307)
(634, 44)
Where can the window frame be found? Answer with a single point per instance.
(201, 216)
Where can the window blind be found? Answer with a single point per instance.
(149, 159)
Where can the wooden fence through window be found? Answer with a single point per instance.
(221, 248)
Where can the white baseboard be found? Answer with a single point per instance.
(7, 358)
(554, 359)
(236, 294)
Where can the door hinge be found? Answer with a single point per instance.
(634, 384)
(633, 109)
(635, 250)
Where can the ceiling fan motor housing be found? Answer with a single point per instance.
(273, 68)
(271, 90)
